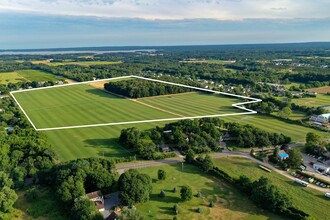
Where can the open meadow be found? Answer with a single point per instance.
(320, 100)
(308, 200)
(25, 76)
(229, 203)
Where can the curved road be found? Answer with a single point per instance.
(141, 164)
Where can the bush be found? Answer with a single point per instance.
(161, 174)
(174, 190)
(186, 193)
(199, 210)
(176, 208)
(211, 204)
(199, 195)
(162, 194)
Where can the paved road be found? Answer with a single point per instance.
(141, 164)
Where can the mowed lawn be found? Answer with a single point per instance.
(82, 105)
(229, 203)
(26, 75)
(194, 104)
(296, 132)
(308, 200)
(71, 144)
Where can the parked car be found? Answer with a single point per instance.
(327, 195)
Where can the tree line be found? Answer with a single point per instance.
(139, 88)
(199, 135)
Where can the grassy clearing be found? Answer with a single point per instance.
(229, 203)
(292, 84)
(11, 77)
(26, 75)
(44, 207)
(320, 100)
(295, 115)
(296, 132)
(306, 199)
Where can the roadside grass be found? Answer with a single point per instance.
(308, 200)
(26, 75)
(44, 207)
(229, 203)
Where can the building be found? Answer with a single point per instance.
(323, 119)
(322, 168)
(282, 155)
(97, 198)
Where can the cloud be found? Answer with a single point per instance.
(174, 9)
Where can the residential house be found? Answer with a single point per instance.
(97, 198)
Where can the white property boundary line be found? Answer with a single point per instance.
(236, 105)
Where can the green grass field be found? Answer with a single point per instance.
(320, 100)
(26, 75)
(296, 132)
(229, 203)
(308, 200)
(193, 104)
(83, 105)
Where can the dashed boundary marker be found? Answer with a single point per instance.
(236, 105)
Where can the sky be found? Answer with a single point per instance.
(30, 24)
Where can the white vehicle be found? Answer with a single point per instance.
(301, 182)
(327, 195)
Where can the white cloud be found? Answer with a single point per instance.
(174, 9)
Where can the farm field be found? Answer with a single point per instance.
(320, 100)
(83, 105)
(26, 75)
(192, 104)
(81, 63)
(295, 115)
(267, 123)
(321, 90)
(301, 197)
(229, 203)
